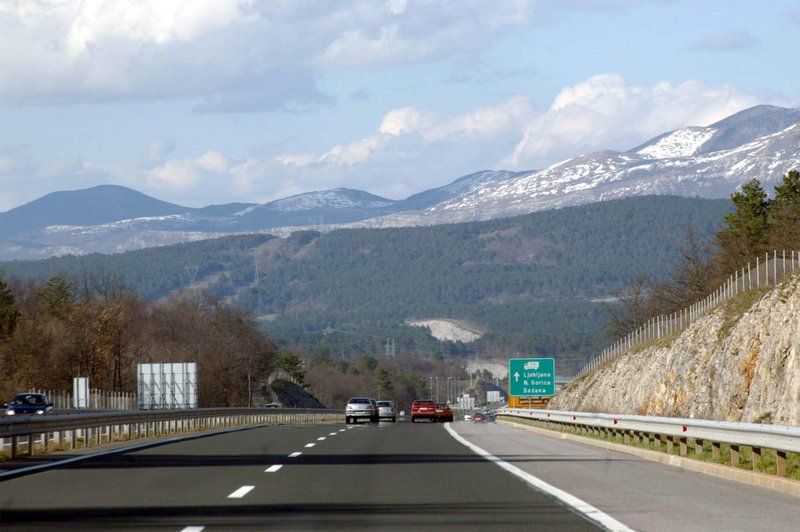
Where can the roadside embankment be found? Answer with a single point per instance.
(741, 362)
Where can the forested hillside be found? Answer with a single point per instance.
(533, 282)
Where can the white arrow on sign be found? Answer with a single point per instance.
(516, 376)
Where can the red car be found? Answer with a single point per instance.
(443, 413)
(423, 409)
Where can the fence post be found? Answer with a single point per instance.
(775, 266)
(758, 274)
(766, 268)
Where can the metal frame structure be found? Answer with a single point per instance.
(167, 386)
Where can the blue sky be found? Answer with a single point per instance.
(204, 102)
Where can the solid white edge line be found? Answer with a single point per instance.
(273, 468)
(587, 510)
(241, 492)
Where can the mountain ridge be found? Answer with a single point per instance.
(523, 280)
(762, 142)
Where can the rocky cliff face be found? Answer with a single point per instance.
(741, 362)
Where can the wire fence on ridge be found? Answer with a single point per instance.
(768, 270)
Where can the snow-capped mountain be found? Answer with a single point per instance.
(685, 162)
(335, 206)
(759, 143)
(681, 143)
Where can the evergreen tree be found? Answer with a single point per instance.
(784, 213)
(8, 310)
(385, 386)
(748, 227)
(293, 365)
(57, 296)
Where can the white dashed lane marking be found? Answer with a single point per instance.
(241, 492)
(321, 438)
(193, 529)
(310, 444)
(274, 468)
(295, 454)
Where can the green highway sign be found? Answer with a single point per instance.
(532, 377)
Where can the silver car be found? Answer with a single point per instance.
(361, 408)
(386, 411)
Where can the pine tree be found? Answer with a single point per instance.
(57, 296)
(746, 235)
(784, 213)
(293, 365)
(8, 310)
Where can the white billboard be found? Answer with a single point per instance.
(466, 402)
(167, 386)
(80, 392)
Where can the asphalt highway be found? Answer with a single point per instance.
(391, 476)
(643, 495)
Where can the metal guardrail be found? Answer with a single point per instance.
(70, 430)
(675, 432)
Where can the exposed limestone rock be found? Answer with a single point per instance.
(730, 366)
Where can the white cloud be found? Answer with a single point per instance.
(213, 161)
(151, 21)
(175, 174)
(246, 175)
(607, 112)
(158, 151)
(231, 55)
(402, 121)
(409, 133)
(414, 149)
(213, 177)
(602, 112)
(188, 173)
(412, 31)
(69, 50)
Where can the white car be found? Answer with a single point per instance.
(386, 411)
(361, 408)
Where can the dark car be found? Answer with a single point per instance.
(28, 403)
